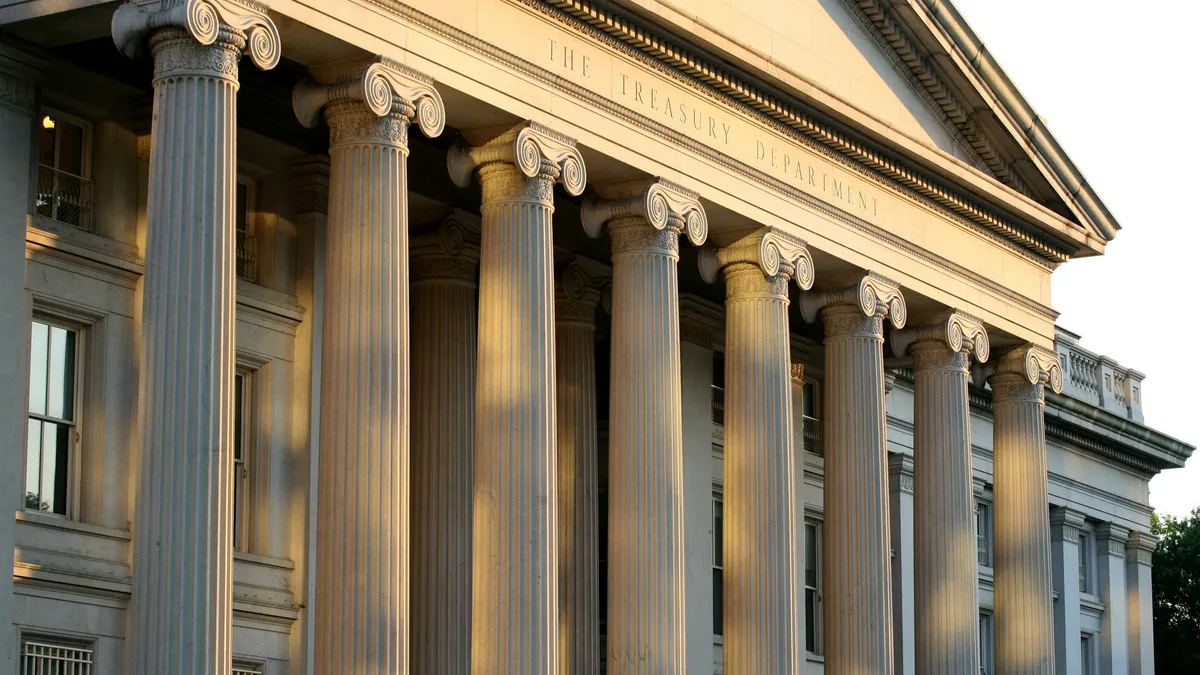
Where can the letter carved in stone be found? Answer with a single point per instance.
(536, 150)
(775, 252)
(243, 22)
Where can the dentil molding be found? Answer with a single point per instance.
(204, 20)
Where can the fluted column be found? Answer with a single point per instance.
(1024, 612)
(181, 607)
(362, 565)
(1139, 552)
(645, 485)
(858, 595)
(444, 263)
(944, 562)
(761, 603)
(514, 620)
(576, 300)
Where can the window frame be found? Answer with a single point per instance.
(984, 533)
(85, 150)
(1087, 652)
(247, 228)
(717, 545)
(987, 642)
(817, 626)
(74, 462)
(244, 469)
(86, 188)
(58, 642)
(1087, 560)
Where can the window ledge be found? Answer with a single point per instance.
(1087, 601)
(266, 561)
(61, 523)
(53, 235)
(814, 658)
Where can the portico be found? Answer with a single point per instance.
(491, 444)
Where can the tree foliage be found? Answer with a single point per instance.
(1176, 581)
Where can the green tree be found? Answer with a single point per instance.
(1177, 594)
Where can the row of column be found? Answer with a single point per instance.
(500, 469)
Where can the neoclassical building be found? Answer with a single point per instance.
(535, 337)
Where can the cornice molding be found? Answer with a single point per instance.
(470, 42)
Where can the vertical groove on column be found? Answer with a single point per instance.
(760, 581)
(579, 637)
(444, 356)
(858, 598)
(181, 610)
(1024, 610)
(362, 511)
(645, 488)
(946, 602)
(515, 585)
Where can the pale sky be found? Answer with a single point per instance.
(1117, 84)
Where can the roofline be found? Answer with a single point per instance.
(976, 54)
(1150, 445)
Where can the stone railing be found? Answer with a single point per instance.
(1097, 379)
(64, 197)
(814, 439)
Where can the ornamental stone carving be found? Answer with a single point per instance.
(661, 203)
(701, 322)
(447, 250)
(872, 297)
(1141, 547)
(960, 333)
(19, 75)
(240, 23)
(373, 99)
(581, 289)
(777, 254)
(797, 372)
(1024, 372)
(1112, 539)
(537, 151)
(1065, 524)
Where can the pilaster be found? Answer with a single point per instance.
(180, 612)
(514, 621)
(645, 489)
(362, 566)
(576, 299)
(858, 594)
(1065, 524)
(1139, 552)
(900, 512)
(945, 561)
(444, 259)
(1023, 588)
(761, 599)
(1114, 628)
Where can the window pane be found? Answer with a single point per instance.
(241, 215)
(810, 400)
(56, 444)
(61, 378)
(718, 602)
(33, 466)
(719, 369)
(46, 138)
(810, 556)
(810, 620)
(718, 535)
(237, 419)
(39, 339)
(70, 148)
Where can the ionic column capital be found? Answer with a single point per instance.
(858, 307)
(240, 24)
(581, 289)
(1065, 524)
(667, 208)
(535, 150)
(448, 249)
(778, 255)
(1022, 374)
(370, 100)
(1140, 547)
(943, 340)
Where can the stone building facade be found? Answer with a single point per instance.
(550, 336)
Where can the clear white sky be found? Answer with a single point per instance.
(1117, 83)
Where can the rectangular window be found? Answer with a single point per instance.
(813, 440)
(247, 250)
(983, 533)
(813, 640)
(242, 436)
(1087, 553)
(986, 637)
(718, 388)
(602, 532)
(718, 564)
(1086, 658)
(52, 433)
(46, 657)
(246, 669)
(64, 192)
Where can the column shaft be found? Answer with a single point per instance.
(362, 505)
(578, 524)
(1114, 631)
(1140, 610)
(1064, 557)
(515, 581)
(1024, 612)
(645, 488)
(181, 608)
(900, 513)
(444, 333)
(858, 594)
(760, 604)
(946, 577)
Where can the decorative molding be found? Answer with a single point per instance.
(701, 322)
(580, 290)
(1066, 524)
(960, 332)
(386, 88)
(900, 472)
(310, 183)
(872, 293)
(773, 251)
(470, 42)
(533, 148)
(1038, 365)
(205, 21)
(659, 202)
(447, 250)
(1140, 547)
(16, 92)
(797, 373)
